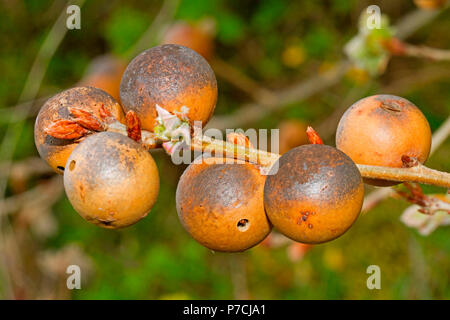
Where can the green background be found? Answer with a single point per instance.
(156, 258)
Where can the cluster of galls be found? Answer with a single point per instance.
(110, 179)
(315, 195)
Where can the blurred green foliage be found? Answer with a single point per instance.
(156, 258)
(124, 28)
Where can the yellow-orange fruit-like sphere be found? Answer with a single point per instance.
(170, 76)
(105, 72)
(316, 194)
(56, 151)
(187, 35)
(379, 130)
(221, 205)
(111, 180)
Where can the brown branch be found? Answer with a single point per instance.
(429, 204)
(26, 168)
(413, 171)
(419, 173)
(375, 197)
(300, 91)
(426, 52)
(413, 21)
(400, 48)
(44, 193)
(241, 81)
(440, 135)
(230, 150)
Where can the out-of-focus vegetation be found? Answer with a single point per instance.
(276, 43)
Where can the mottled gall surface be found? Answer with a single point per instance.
(221, 205)
(171, 76)
(56, 151)
(379, 130)
(111, 180)
(316, 194)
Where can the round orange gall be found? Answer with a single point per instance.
(172, 77)
(379, 130)
(187, 35)
(56, 151)
(105, 72)
(430, 4)
(316, 194)
(292, 134)
(221, 204)
(111, 180)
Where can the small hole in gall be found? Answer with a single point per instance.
(72, 165)
(243, 225)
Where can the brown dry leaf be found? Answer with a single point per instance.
(105, 114)
(313, 136)
(86, 119)
(133, 126)
(66, 129)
